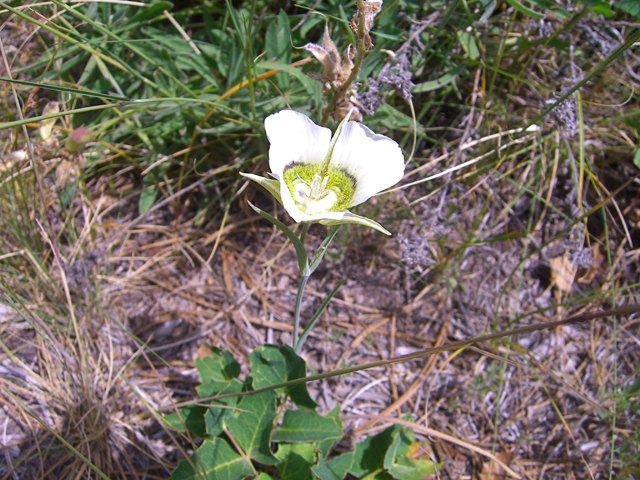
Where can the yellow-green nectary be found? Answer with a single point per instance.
(332, 193)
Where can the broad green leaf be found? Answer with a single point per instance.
(297, 460)
(322, 471)
(264, 476)
(268, 366)
(147, 197)
(401, 467)
(251, 426)
(378, 475)
(369, 455)
(221, 367)
(326, 445)
(630, 6)
(217, 417)
(335, 469)
(173, 43)
(297, 368)
(402, 441)
(215, 459)
(300, 426)
(150, 12)
(603, 9)
(411, 469)
(192, 419)
(271, 365)
(469, 44)
(636, 158)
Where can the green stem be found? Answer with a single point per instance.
(303, 233)
(296, 314)
(304, 278)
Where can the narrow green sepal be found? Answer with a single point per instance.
(271, 185)
(303, 260)
(358, 220)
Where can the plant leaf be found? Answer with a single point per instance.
(192, 418)
(334, 469)
(629, 6)
(214, 459)
(369, 455)
(326, 445)
(271, 365)
(251, 426)
(469, 44)
(217, 418)
(220, 367)
(299, 426)
(297, 460)
(399, 465)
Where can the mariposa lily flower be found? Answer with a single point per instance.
(317, 177)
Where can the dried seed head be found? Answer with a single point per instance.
(335, 68)
(367, 9)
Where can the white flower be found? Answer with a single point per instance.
(317, 177)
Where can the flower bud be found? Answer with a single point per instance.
(78, 139)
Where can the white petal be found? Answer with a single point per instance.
(294, 138)
(375, 161)
(298, 215)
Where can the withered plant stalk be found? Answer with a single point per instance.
(360, 52)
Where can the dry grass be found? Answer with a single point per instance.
(94, 344)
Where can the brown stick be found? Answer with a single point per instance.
(585, 317)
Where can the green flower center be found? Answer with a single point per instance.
(314, 193)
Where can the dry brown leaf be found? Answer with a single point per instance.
(204, 351)
(562, 273)
(493, 470)
(419, 450)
